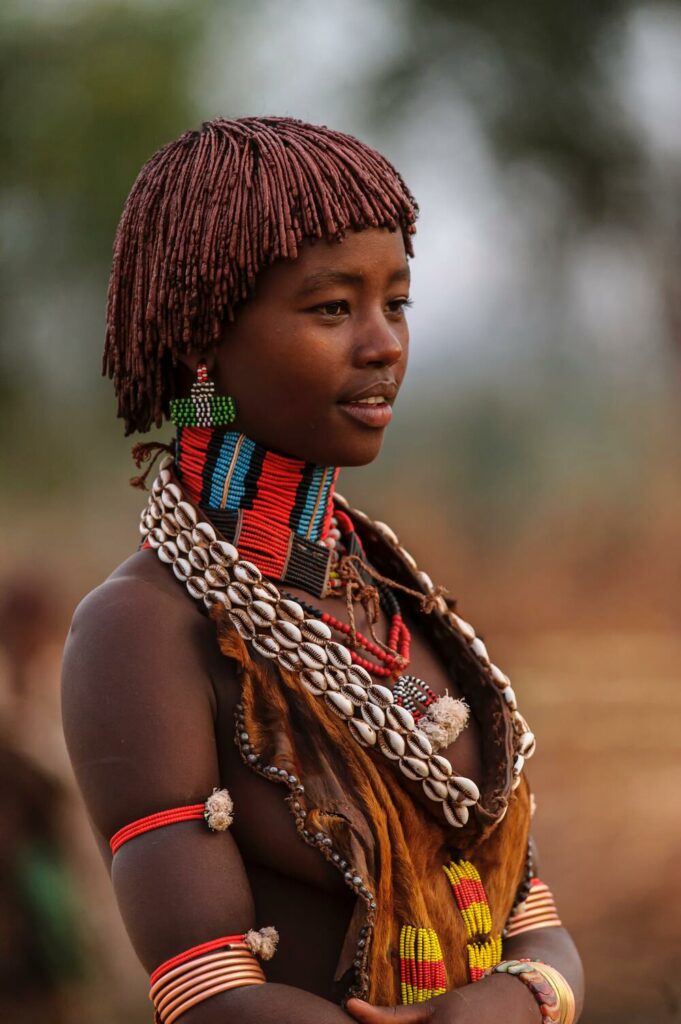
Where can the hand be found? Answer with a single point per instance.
(499, 997)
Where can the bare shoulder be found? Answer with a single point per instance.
(137, 696)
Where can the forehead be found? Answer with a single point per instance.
(371, 256)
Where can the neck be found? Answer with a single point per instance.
(259, 498)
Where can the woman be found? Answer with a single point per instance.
(343, 769)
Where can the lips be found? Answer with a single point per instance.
(380, 389)
(372, 404)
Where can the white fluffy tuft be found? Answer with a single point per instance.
(445, 720)
(219, 812)
(262, 943)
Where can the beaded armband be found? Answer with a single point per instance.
(209, 969)
(217, 812)
(537, 911)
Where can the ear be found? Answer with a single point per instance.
(190, 360)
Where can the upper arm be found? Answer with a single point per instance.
(139, 724)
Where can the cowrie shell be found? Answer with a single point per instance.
(479, 649)
(398, 717)
(289, 660)
(419, 745)
(265, 645)
(373, 715)
(339, 704)
(338, 655)
(434, 790)
(286, 634)
(239, 594)
(425, 581)
(362, 732)
(197, 586)
(409, 559)
(463, 627)
(182, 569)
(222, 552)
(440, 768)
(171, 496)
(246, 572)
(291, 609)
(217, 575)
(199, 559)
(509, 697)
(334, 678)
(386, 532)
(357, 694)
(391, 744)
(186, 515)
(359, 675)
(213, 597)
(184, 541)
(204, 533)
(168, 552)
(413, 768)
(461, 787)
(499, 677)
(315, 680)
(312, 655)
(265, 591)
(156, 537)
(262, 613)
(314, 629)
(169, 526)
(456, 814)
(242, 622)
(526, 744)
(380, 695)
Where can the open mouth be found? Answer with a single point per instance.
(373, 412)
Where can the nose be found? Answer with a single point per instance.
(380, 343)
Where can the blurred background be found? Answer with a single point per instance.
(533, 465)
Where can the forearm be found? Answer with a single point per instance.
(553, 946)
(263, 1004)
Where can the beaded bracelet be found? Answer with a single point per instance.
(548, 986)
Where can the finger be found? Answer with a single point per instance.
(365, 1013)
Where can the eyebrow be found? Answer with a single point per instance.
(325, 278)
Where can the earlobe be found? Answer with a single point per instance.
(192, 359)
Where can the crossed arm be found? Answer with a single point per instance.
(139, 719)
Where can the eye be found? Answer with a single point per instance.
(399, 305)
(332, 309)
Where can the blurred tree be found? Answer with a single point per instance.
(86, 95)
(540, 78)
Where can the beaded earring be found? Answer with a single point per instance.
(203, 408)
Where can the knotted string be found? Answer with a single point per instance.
(358, 590)
(142, 452)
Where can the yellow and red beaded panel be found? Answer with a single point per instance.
(422, 969)
(483, 948)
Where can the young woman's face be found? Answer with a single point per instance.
(315, 360)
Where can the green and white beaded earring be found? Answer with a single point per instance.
(203, 408)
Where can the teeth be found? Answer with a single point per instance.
(374, 400)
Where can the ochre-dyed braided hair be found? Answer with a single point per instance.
(205, 215)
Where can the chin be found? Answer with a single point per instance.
(355, 454)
